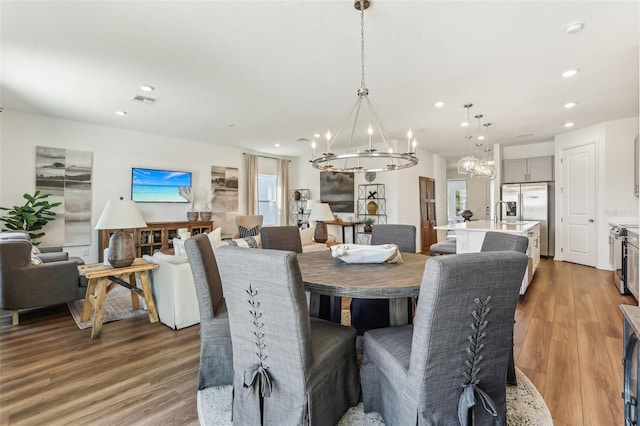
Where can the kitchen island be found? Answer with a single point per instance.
(470, 235)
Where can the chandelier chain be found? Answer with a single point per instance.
(362, 84)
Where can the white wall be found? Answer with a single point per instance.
(530, 150)
(115, 152)
(614, 179)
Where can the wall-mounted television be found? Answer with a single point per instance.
(158, 186)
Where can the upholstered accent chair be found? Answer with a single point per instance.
(289, 369)
(500, 241)
(281, 238)
(449, 366)
(216, 356)
(26, 284)
(248, 225)
(367, 314)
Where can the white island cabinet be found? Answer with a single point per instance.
(470, 235)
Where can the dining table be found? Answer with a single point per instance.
(324, 275)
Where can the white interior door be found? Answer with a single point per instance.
(579, 201)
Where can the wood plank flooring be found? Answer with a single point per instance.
(568, 341)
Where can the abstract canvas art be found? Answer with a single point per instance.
(66, 175)
(224, 196)
(336, 188)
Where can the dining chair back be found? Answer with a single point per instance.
(281, 238)
(404, 236)
(450, 365)
(216, 356)
(289, 369)
(500, 241)
(367, 314)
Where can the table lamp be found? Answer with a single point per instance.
(121, 214)
(309, 207)
(321, 213)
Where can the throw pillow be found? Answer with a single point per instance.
(178, 247)
(244, 232)
(215, 238)
(35, 250)
(35, 260)
(250, 242)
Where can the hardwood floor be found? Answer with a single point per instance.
(568, 341)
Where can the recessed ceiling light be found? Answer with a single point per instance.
(464, 124)
(439, 104)
(147, 88)
(121, 112)
(316, 135)
(569, 105)
(574, 27)
(570, 73)
(569, 124)
(277, 145)
(480, 138)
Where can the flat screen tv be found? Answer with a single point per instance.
(158, 186)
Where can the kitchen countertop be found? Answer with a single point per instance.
(489, 225)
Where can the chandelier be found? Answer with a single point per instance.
(368, 158)
(472, 165)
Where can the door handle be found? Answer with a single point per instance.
(591, 220)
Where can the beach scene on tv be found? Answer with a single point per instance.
(158, 186)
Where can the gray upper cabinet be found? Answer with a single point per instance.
(534, 169)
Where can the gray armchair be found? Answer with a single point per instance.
(281, 238)
(289, 369)
(216, 356)
(25, 285)
(449, 367)
(367, 314)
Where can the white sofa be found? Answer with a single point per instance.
(174, 291)
(172, 283)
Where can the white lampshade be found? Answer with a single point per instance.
(121, 214)
(311, 203)
(321, 212)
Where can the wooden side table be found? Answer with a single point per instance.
(104, 278)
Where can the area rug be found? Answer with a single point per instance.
(117, 306)
(525, 406)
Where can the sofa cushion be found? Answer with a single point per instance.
(306, 236)
(178, 247)
(215, 238)
(168, 258)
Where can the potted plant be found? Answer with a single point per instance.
(30, 217)
(367, 224)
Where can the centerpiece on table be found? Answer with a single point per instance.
(359, 253)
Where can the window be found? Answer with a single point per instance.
(267, 205)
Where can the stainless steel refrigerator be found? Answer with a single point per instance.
(531, 201)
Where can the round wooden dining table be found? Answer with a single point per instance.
(325, 275)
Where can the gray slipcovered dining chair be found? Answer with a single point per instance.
(449, 366)
(281, 238)
(216, 356)
(367, 314)
(290, 369)
(500, 241)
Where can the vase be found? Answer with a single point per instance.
(296, 195)
(367, 229)
(205, 216)
(192, 216)
(372, 207)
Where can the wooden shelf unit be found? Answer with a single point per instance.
(156, 236)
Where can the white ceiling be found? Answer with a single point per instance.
(255, 73)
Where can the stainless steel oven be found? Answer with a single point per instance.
(632, 262)
(616, 254)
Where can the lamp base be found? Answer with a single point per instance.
(122, 250)
(320, 235)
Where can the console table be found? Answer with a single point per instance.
(104, 278)
(345, 224)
